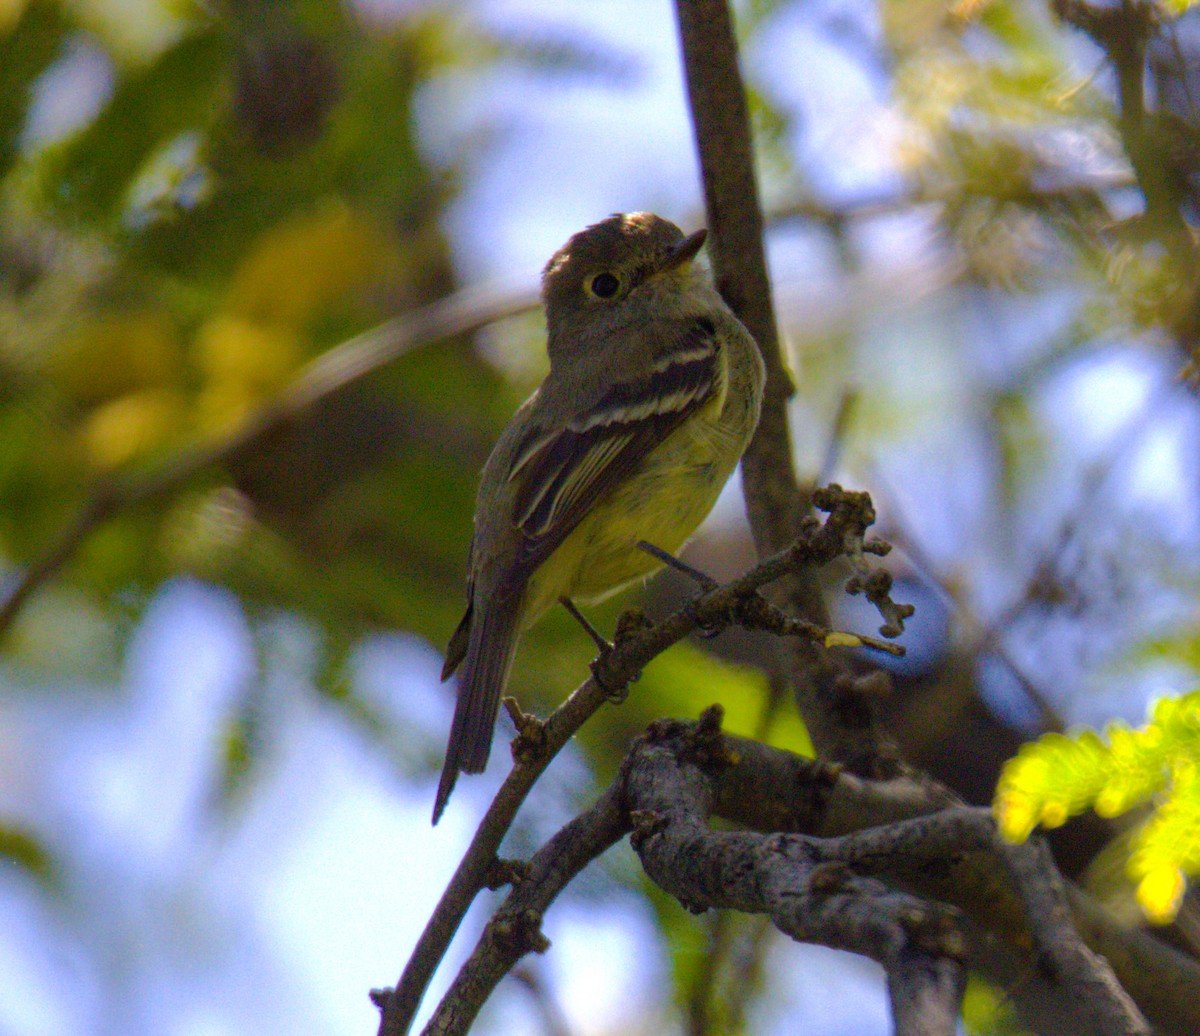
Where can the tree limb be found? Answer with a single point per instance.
(833, 895)
(636, 645)
(963, 862)
(775, 503)
(515, 929)
(806, 893)
(721, 124)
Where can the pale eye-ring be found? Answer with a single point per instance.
(604, 285)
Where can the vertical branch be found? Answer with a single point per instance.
(1123, 31)
(721, 123)
(775, 502)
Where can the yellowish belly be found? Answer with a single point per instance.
(662, 503)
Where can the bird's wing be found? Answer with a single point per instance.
(562, 472)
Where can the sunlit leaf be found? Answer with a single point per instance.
(124, 428)
(1160, 892)
(308, 263)
(1057, 777)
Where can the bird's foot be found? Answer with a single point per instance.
(629, 622)
(706, 628)
(530, 743)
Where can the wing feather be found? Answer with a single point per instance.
(562, 472)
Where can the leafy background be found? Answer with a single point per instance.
(220, 722)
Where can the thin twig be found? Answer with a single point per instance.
(515, 928)
(847, 403)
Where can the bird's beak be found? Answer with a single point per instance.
(684, 252)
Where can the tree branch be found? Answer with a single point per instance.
(721, 124)
(788, 877)
(905, 831)
(515, 929)
(963, 863)
(833, 896)
(637, 643)
(775, 503)
(1122, 31)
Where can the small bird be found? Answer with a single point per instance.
(653, 393)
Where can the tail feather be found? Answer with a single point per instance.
(489, 656)
(456, 650)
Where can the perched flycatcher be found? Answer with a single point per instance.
(653, 393)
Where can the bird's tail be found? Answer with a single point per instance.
(493, 642)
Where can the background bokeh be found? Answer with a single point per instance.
(221, 721)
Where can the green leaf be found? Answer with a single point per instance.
(26, 51)
(90, 175)
(22, 848)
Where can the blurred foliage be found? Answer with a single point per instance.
(250, 189)
(1057, 777)
(249, 192)
(987, 1011)
(23, 849)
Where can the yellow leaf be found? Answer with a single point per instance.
(119, 354)
(1016, 816)
(1111, 802)
(118, 431)
(1054, 814)
(10, 13)
(310, 263)
(836, 639)
(246, 354)
(1160, 892)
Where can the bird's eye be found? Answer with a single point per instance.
(604, 285)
